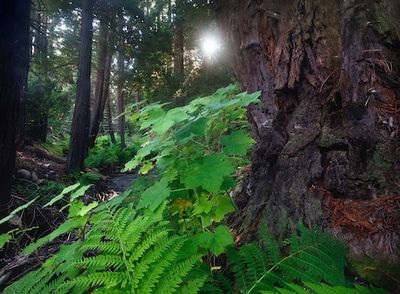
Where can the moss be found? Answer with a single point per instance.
(329, 138)
(378, 167)
(387, 21)
(378, 273)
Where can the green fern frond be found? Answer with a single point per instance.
(314, 258)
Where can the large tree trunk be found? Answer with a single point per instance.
(81, 120)
(99, 99)
(110, 127)
(327, 142)
(14, 63)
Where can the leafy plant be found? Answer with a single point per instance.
(191, 153)
(122, 252)
(314, 264)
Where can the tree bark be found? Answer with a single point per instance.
(120, 85)
(99, 103)
(329, 125)
(81, 120)
(179, 42)
(14, 64)
(110, 127)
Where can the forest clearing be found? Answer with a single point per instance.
(199, 146)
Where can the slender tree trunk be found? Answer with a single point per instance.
(179, 42)
(328, 130)
(110, 126)
(120, 86)
(99, 98)
(81, 120)
(14, 63)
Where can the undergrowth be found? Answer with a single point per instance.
(164, 234)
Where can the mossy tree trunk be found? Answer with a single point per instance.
(329, 72)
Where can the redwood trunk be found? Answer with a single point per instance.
(99, 103)
(14, 63)
(81, 120)
(328, 129)
(120, 85)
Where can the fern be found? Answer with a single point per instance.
(314, 264)
(121, 253)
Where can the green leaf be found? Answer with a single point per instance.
(223, 206)
(155, 195)
(172, 116)
(61, 195)
(84, 210)
(194, 128)
(207, 172)
(4, 238)
(15, 211)
(80, 192)
(237, 143)
(203, 205)
(216, 242)
(246, 99)
(130, 165)
(146, 168)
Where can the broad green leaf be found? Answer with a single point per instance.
(84, 210)
(155, 195)
(130, 165)
(246, 99)
(223, 206)
(237, 143)
(216, 242)
(15, 211)
(172, 116)
(67, 226)
(146, 168)
(80, 192)
(203, 205)
(61, 195)
(194, 128)
(207, 172)
(4, 238)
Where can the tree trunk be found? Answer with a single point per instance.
(81, 120)
(99, 102)
(110, 126)
(120, 86)
(327, 135)
(179, 42)
(14, 63)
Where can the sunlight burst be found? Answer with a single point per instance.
(211, 45)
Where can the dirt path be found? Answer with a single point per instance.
(120, 182)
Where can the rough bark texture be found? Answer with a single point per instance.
(14, 63)
(81, 120)
(99, 98)
(328, 127)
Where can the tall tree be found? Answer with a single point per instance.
(99, 99)
(329, 74)
(121, 79)
(179, 40)
(81, 120)
(14, 63)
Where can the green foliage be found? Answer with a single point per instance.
(314, 264)
(106, 154)
(122, 252)
(192, 152)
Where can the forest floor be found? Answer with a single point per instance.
(40, 173)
